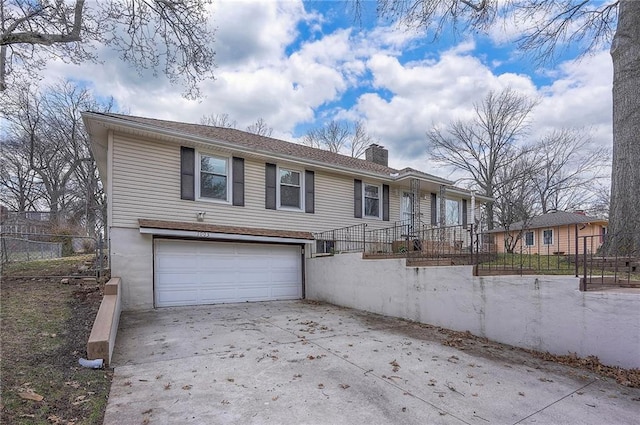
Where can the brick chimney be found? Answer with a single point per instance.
(581, 212)
(378, 154)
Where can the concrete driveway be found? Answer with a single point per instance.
(307, 363)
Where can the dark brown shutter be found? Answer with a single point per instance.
(434, 209)
(270, 186)
(385, 202)
(464, 213)
(309, 192)
(357, 198)
(187, 173)
(238, 181)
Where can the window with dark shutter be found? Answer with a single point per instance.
(187, 173)
(238, 181)
(357, 198)
(270, 186)
(309, 192)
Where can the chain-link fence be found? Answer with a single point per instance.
(17, 249)
(23, 247)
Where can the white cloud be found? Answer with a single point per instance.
(265, 70)
(579, 97)
(254, 33)
(425, 93)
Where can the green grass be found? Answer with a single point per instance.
(543, 264)
(45, 267)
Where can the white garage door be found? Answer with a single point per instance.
(194, 272)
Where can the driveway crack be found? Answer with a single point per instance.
(557, 401)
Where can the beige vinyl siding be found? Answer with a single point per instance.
(146, 184)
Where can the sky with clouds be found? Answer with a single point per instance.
(298, 65)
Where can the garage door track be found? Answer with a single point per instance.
(299, 362)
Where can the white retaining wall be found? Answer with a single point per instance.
(544, 313)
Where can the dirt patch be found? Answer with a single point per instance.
(45, 328)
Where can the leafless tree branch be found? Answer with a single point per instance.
(173, 36)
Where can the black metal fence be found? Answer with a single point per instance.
(614, 261)
(402, 240)
(405, 239)
(345, 239)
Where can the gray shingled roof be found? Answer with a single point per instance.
(268, 144)
(553, 219)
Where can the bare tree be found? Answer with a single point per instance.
(260, 127)
(360, 140)
(600, 205)
(20, 189)
(568, 167)
(485, 144)
(218, 120)
(172, 36)
(332, 137)
(515, 198)
(549, 25)
(339, 137)
(54, 146)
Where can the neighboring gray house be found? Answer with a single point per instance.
(200, 214)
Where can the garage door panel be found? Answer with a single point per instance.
(178, 262)
(247, 277)
(217, 295)
(222, 275)
(253, 293)
(286, 292)
(173, 297)
(177, 276)
(195, 272)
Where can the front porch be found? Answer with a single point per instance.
(421, 244)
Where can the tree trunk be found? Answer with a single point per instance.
(624, 224)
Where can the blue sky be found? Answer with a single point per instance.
(299, 64)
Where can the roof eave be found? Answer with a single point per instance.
(414, 175)
(99, 142)
(107, 120)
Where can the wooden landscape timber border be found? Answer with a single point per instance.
(105, 327)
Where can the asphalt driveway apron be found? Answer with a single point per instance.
(307, 363)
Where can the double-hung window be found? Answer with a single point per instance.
(372, 196)
(528, 239)
(547, 237)
(452, 213)
(290, 189)
(214, 177)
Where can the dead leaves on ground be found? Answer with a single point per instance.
(626, 377)
(318, 357)
(395, 366)
(312, 327)
(30, 395)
